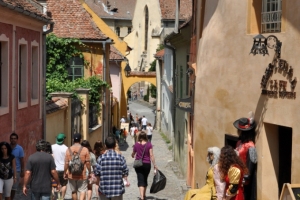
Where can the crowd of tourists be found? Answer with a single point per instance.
(232, 172)
(84, 169)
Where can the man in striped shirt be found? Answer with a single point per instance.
(111, 168)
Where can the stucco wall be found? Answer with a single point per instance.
(228, 87)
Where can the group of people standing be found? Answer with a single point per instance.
(11, 167)
(232, 171)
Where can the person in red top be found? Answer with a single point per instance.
(232, 169)
(247, 152)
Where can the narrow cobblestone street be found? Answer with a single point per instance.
(175, 186)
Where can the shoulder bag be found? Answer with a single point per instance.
(139, 163)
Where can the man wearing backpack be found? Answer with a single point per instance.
(77, 161)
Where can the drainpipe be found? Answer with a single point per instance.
(44, 64)
(174, 83)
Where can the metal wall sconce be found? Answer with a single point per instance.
(189, 71)
(260, 44)
(127, 70)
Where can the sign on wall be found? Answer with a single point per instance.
(279, 88)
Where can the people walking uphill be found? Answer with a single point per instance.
(149, 131)
(18, 152)
(214, 187)
(7, 170)
(247, 152)
(93, 162)
(77, 161)
(232, 170)
(143, 150)
(111, 169)
(40, 169)
(144, 122)
(59, 153)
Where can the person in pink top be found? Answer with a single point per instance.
(142, 145)
(247, 152)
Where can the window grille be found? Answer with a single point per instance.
(271, 16)
(76, 68)
(146, 28)
(93, 115)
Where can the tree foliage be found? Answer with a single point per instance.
(59, 53)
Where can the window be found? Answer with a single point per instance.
(34, 72)
(118, 31)
(23, 73)
(76, 68)
(4, 91)
(146, 28)
(129, 30)
(271, 16)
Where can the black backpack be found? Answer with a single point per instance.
(75, 165)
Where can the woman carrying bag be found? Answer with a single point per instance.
(143, 150)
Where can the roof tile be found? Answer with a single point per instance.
(72, 20)
(168, 8)
(125, 8)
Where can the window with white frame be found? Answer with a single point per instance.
(34, 73)
(4, 75)
(23, 76)
(271, 16)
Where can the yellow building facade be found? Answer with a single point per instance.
(230, 82)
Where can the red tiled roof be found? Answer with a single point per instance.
(55, 104)
(125, 8)
(72, 20)
(30, 6)
(168, 8)
(160, 54)
(115, 54)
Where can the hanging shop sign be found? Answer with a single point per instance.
(185, 105)
(279, 88)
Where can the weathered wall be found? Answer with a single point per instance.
(228, 87)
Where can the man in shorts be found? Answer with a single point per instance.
(40, 169)
(18, 152)
(77, 182)
(59, 153)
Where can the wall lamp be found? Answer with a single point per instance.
(127, 70)
(260, 44)
(189, 71)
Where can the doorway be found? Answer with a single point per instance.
(285, 155)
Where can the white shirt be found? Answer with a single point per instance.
(132, 129)
(122, 120)
(59, 153)
(144, 121)
(149, 130)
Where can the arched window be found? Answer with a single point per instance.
(146, 28)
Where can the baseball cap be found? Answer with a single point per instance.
(77, 136)
(60, 138)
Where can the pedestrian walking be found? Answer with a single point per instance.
(7, 170)
(122, 120)
(149, 129)
(132, 133)
(77, 161)
(93, 162)
(99, 149)
(111, 168)
(143, 150)
(18, 152)
(136, 118)
(59, 154)
(144, 122)
(40, 169)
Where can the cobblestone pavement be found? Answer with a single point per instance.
(175, 186)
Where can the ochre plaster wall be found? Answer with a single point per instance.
(56, 124)
(228, 87)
